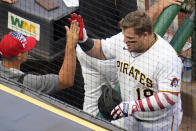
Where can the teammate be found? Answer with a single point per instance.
(95, 73)
(14, 49)
(149, 74)
(101, 20)
(153, 73)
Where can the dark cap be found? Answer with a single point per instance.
(108, 100)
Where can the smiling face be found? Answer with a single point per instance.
(134, 42)
(137, 30)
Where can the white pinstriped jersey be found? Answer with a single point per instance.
(95, 73)
(142, 75)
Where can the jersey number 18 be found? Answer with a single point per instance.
(146, 93)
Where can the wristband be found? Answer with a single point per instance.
(87, 45)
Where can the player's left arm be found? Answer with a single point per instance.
(158, 7)
(169, 79)
(155, 102)
(168, 90)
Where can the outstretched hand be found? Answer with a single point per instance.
(158, 7)
(166, 3)
(82, 35)
(73, 33)
(10, 1)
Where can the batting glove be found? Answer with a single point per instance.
(124, 109)
(82, 34)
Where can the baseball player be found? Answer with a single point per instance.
(14, 49)
(95, 73)
(149, 73)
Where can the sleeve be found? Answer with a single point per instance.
(157, 101)
(43, 83)
(169, 77)
(110, 45)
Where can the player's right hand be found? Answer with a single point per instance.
(82, 35)
(166, 3)
(10, 1)
(72, 33)
(124, 109)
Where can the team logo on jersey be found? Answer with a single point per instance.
(174, 82)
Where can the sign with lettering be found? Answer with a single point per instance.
(23, 26)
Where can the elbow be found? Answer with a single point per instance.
(69, 84)
(66, 83)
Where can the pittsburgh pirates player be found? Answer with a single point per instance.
(95, 73)
(149, 76)
(149, 72)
